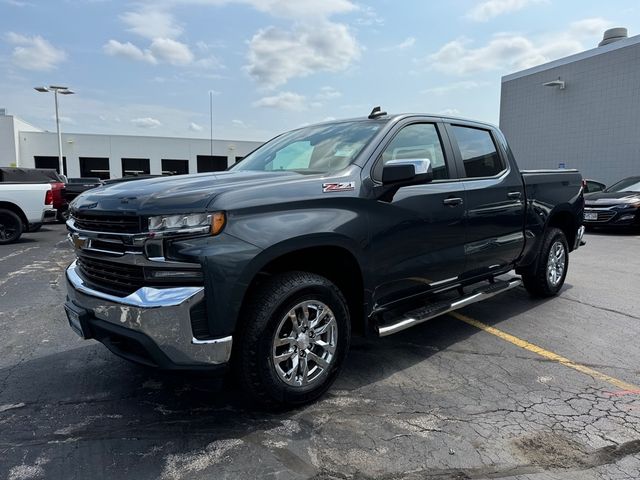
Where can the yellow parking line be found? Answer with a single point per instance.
(546, 353)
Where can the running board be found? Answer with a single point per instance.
(422, 314)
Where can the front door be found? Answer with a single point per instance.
(418, 236)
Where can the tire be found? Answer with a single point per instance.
(10, 227)
(547, 277)
(271, 371)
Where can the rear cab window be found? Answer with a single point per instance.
(480, 157)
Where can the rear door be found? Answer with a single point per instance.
(494, 199)
(418, 235)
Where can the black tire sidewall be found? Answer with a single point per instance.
(18, 224)
(263, 330)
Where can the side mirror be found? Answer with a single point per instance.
(407, 171)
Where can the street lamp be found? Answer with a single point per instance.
(56, 89)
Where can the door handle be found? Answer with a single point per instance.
(452, 201)
(514, 195)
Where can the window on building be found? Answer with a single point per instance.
(478, 151)
(95, 167)
(51, 163)
(209, 163)
(135, 166)
(239, 158)
(174, 167)
(416, 141)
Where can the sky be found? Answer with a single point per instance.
(147, 67)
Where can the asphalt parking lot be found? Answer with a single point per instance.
(509, 388)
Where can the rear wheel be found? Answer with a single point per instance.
(293, 339)
(10, 227)
(547, 278)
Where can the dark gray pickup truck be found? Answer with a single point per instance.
(365, 226)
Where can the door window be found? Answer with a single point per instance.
(479, 154)
(416, 141)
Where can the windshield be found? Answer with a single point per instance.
(317, 149)
(631, 184)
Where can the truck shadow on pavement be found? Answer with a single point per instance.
(87, 403)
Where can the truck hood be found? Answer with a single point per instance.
(610, 198)
(173, 195)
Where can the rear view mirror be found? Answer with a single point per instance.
(407, 171)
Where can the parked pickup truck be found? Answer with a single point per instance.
(23, 208)
(365, 226)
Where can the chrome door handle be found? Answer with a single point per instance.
(514, 195)
(452, 201)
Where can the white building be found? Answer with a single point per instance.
(114, 156)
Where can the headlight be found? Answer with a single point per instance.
(212, 223)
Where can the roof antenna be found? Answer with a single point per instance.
(376, 112)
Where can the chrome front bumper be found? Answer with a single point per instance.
(579, 238)
(162, 314)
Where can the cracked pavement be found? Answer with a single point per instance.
(443, 400)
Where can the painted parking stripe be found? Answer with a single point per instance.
(622, 385)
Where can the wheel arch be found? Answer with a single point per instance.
(332, 257)
(4, 205)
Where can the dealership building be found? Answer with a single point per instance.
(582, 111)
(114, 156)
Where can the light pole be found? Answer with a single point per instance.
(211, 120)
(62, 91)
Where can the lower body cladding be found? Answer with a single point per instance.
(151, 326)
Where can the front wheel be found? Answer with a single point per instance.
(10, 227)
(293, 338)
(547, 278)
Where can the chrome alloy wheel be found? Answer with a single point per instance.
(304, 344)
(556, 263)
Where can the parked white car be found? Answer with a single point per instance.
(24, 207)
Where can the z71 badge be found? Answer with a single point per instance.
(338, 187)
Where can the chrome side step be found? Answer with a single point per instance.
(430, 311)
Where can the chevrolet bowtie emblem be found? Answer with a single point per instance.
(79, 242)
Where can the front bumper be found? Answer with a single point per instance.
(615, 216)
(150, 326)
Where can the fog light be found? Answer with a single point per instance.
(180, 274)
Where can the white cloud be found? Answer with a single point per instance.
(505, 52)
(453, 112)
(34, 53)
(309, 8)
(369, 17)
(512, 51)
(146, 122)
(171, 51)
(277, 55)
(282, 101)
(194, 127)
(161, 50)
(17, 3)
(488, 9)
(406, 43)
(328, 93)
(451, 87)
(239, 123)
(150, 23)
(590, 26)
(128, 50)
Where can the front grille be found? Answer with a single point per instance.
(603, 215)
(107, 223)
(110, 276)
